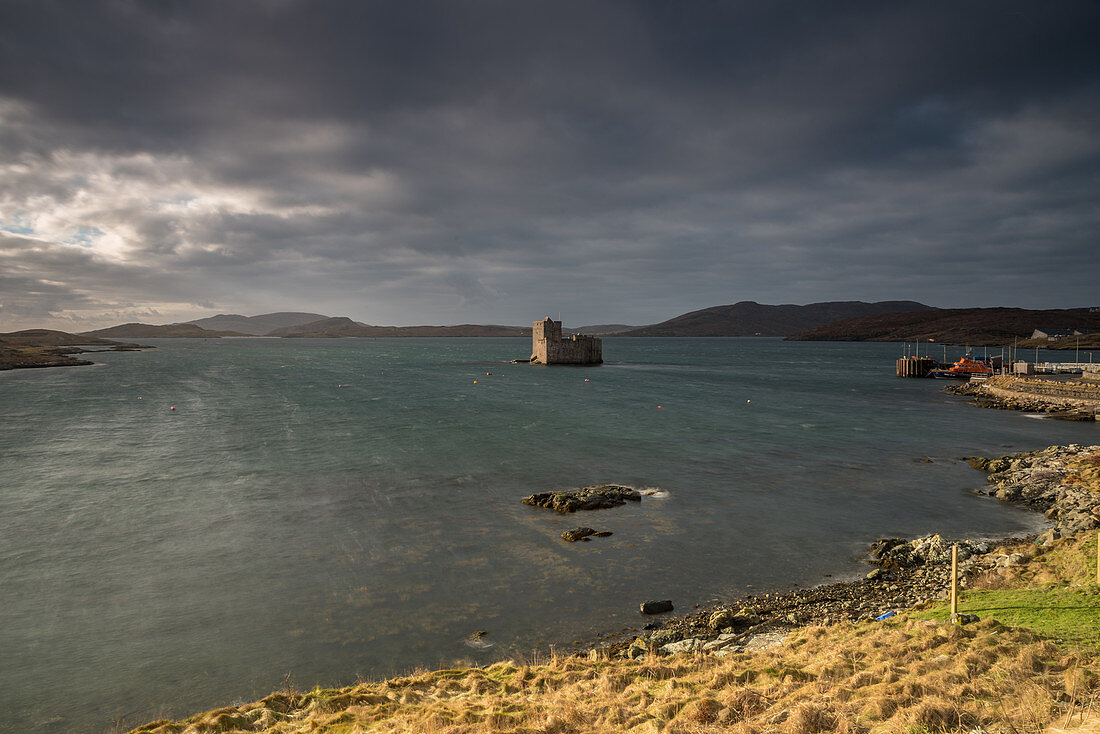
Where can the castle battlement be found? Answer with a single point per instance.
(548, 346)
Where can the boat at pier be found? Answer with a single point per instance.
(965, 368)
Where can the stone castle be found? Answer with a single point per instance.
(548, 347)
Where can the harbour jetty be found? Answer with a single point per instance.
(916, 366)
(1070, 399)
(548, 346)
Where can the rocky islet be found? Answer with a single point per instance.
(595, 497)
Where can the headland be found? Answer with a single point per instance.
(49, 348)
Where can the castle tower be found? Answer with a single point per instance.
(548, 347)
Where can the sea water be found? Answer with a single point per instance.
(200, 523)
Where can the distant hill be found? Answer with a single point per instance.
(256, 325)
(600, 329)
(151, 331)
(748, 318)
(345, 327)
(974, 326)
(50, 338)
(48, 348)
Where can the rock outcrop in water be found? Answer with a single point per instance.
(1062, 482)
(583, 534)
(586, 498)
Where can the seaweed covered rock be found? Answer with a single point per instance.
(897, 553)
(577, 534)
(585, 498)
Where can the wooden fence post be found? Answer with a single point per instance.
(955, 584)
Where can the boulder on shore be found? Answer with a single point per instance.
(656, 607)
(586, 498)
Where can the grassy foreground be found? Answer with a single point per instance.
(912, 673)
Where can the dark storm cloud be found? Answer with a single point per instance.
(483, 161)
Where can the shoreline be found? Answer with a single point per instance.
(905, 574)
(1062, 482)
(1075, 399)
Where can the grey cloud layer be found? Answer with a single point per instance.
(486, 161)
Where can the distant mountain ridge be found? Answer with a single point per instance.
(345, 327)
(167, 331)
(749, 318)
(51, 338)
(600, 329)
(261, 325)
(974, 326)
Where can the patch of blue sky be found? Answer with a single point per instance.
(17, 225)
(85, 237)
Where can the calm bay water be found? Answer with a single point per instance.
(327, 509)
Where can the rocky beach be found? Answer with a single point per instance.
(1062, 482)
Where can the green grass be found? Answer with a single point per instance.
(1069, 615)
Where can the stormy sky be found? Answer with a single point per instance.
(448, 162)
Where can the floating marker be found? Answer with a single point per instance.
(488, 373)
(748, 401)
(586, 379)
(172, 408)
(658, 407)
(475, 382)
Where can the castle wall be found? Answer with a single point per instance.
(548, 347)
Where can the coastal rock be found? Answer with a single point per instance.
(895, 553)
(577, 534)
(746, 617)
(691, 644)
(663, 637)
(1048, 537)
(656, 607)
(585, 498)
(721, 619)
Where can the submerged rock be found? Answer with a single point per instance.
(585, 498)
(577, 534)
(656, 607)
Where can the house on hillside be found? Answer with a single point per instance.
(1053, 334)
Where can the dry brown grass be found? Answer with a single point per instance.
(906, 675)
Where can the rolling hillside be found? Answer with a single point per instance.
(748, 318)
(973, 326)
(256, 325)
